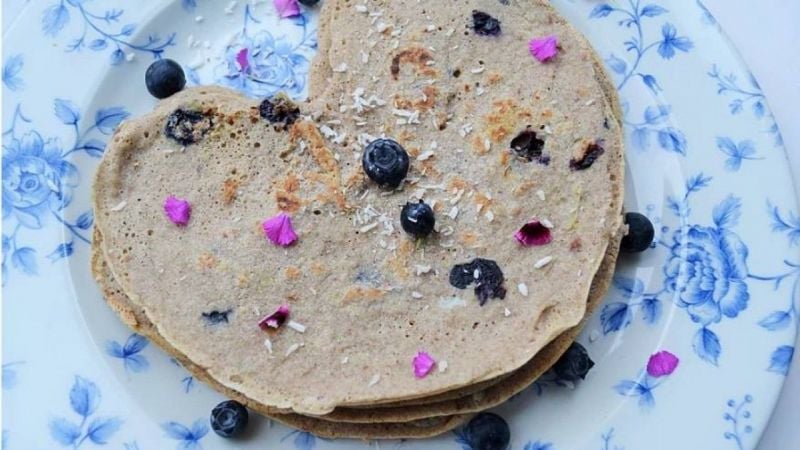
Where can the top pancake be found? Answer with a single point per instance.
(348, 281)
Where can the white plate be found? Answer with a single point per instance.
(705, 163)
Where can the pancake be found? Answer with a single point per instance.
(351, 421)
(352, 293)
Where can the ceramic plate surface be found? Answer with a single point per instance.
(705, 162)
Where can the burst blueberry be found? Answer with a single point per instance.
(309, 3)
(485, 274)
(385, 162)
(640, 233)
(279, 110)
(164, 78)
(187, 126)
(484, 24)
(487, 431)
(417, 219)
(574, 364)
(229, 418)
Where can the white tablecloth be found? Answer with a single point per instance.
(767, 34)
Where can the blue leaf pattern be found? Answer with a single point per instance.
(744, 150)
(24, 259)
(617, 65)
(778, 320)
(652, 11)
(727, 213)
(189, 439)
(707, 346)
(54, 19)
(630, 287)
(539, 445)
(671, 42)
(781, 359)
(107, 119)
(64, 432)
(101, 430)
(84, 397)
(64, 250)
(133, 361)
(672, 140)
(615, 316)
(651, 310)
(11, 73)
(601, 10)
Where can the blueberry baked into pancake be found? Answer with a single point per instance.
(416, 243)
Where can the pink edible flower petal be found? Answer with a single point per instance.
(276, 319)
(241, 59)
(287, 8)
(279, 230)
(662, 364)
(423, 364)
(178, 211)
(534, 234)
(544, 49)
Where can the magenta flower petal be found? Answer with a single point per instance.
(544, 49)
(423, 364)
(287, 8)
(241, 59)
(178, 211)
(279, 230)
(534, 234)
(276, 319)
(662, 364)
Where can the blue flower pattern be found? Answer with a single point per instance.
(101, 31)
(39, 178)
(188, 438)
(130, 353)
(84, 398)
(706, 269)
(655, 118)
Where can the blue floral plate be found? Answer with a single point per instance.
(718, 291)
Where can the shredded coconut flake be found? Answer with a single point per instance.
(361, 8)
(268, 344)
(119, 207)
(506, 312)
(478, 70)
(546, 223)
(425, 155)
(523, 289)
(540, 194)
(543, 262)
(341, 68)
(293, 348)
(345, 360)
(375, 379)
(422, 269)
(417, 295)
(299, 327)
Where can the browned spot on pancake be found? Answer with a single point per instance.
(414, 151)
(361, 293)
(356, 178)
(332, 191)
(504, 158)
(405, 136)
(416, 56)
(547, 113)
(575, 245)
(318, 268)
(292, 273)
(287, 201)
(229, 190)
(479, 144)
(206, 261)
(495, 77)
(429, 169)
(468, 238)
(242, 280)
(482, 200)
(524, 187)
(504, 119)
(399, 262)
(321, 153)
(457, 183)
(291, 183)
(427, 102)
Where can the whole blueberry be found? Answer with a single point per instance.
(309, 3)
(574, 364)
(385, 162)
(164, 77)
(487, 431)
(417, 219)
(640, 233)
(229, 418)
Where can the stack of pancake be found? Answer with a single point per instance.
(520, 159)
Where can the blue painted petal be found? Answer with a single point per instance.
(778, 320)
(651, 310)
(64, 432)
(115, 350)
(24, 259)
(66, 111)
(84, 397)
(735, 300)
(199, 429)
(629, 388)
(135, 344)
(706, 345)
(136, 363)
(107, 119)
(630, 287)
(601, 10)
(735, 252)
(781, 359)
(705, 313)
(727, 213)
(673, 140)
(54, 19)
(100, 430)
(176, 431)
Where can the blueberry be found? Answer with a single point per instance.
(640, 233)
(279, 110)
(574, 364)
(487, 431)
(385, 162)
(187, 126)
(216, 317)
(164, 77)
(484, 24)
(417, 219)
(309, 3)
(527, 145)
(229, 418)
